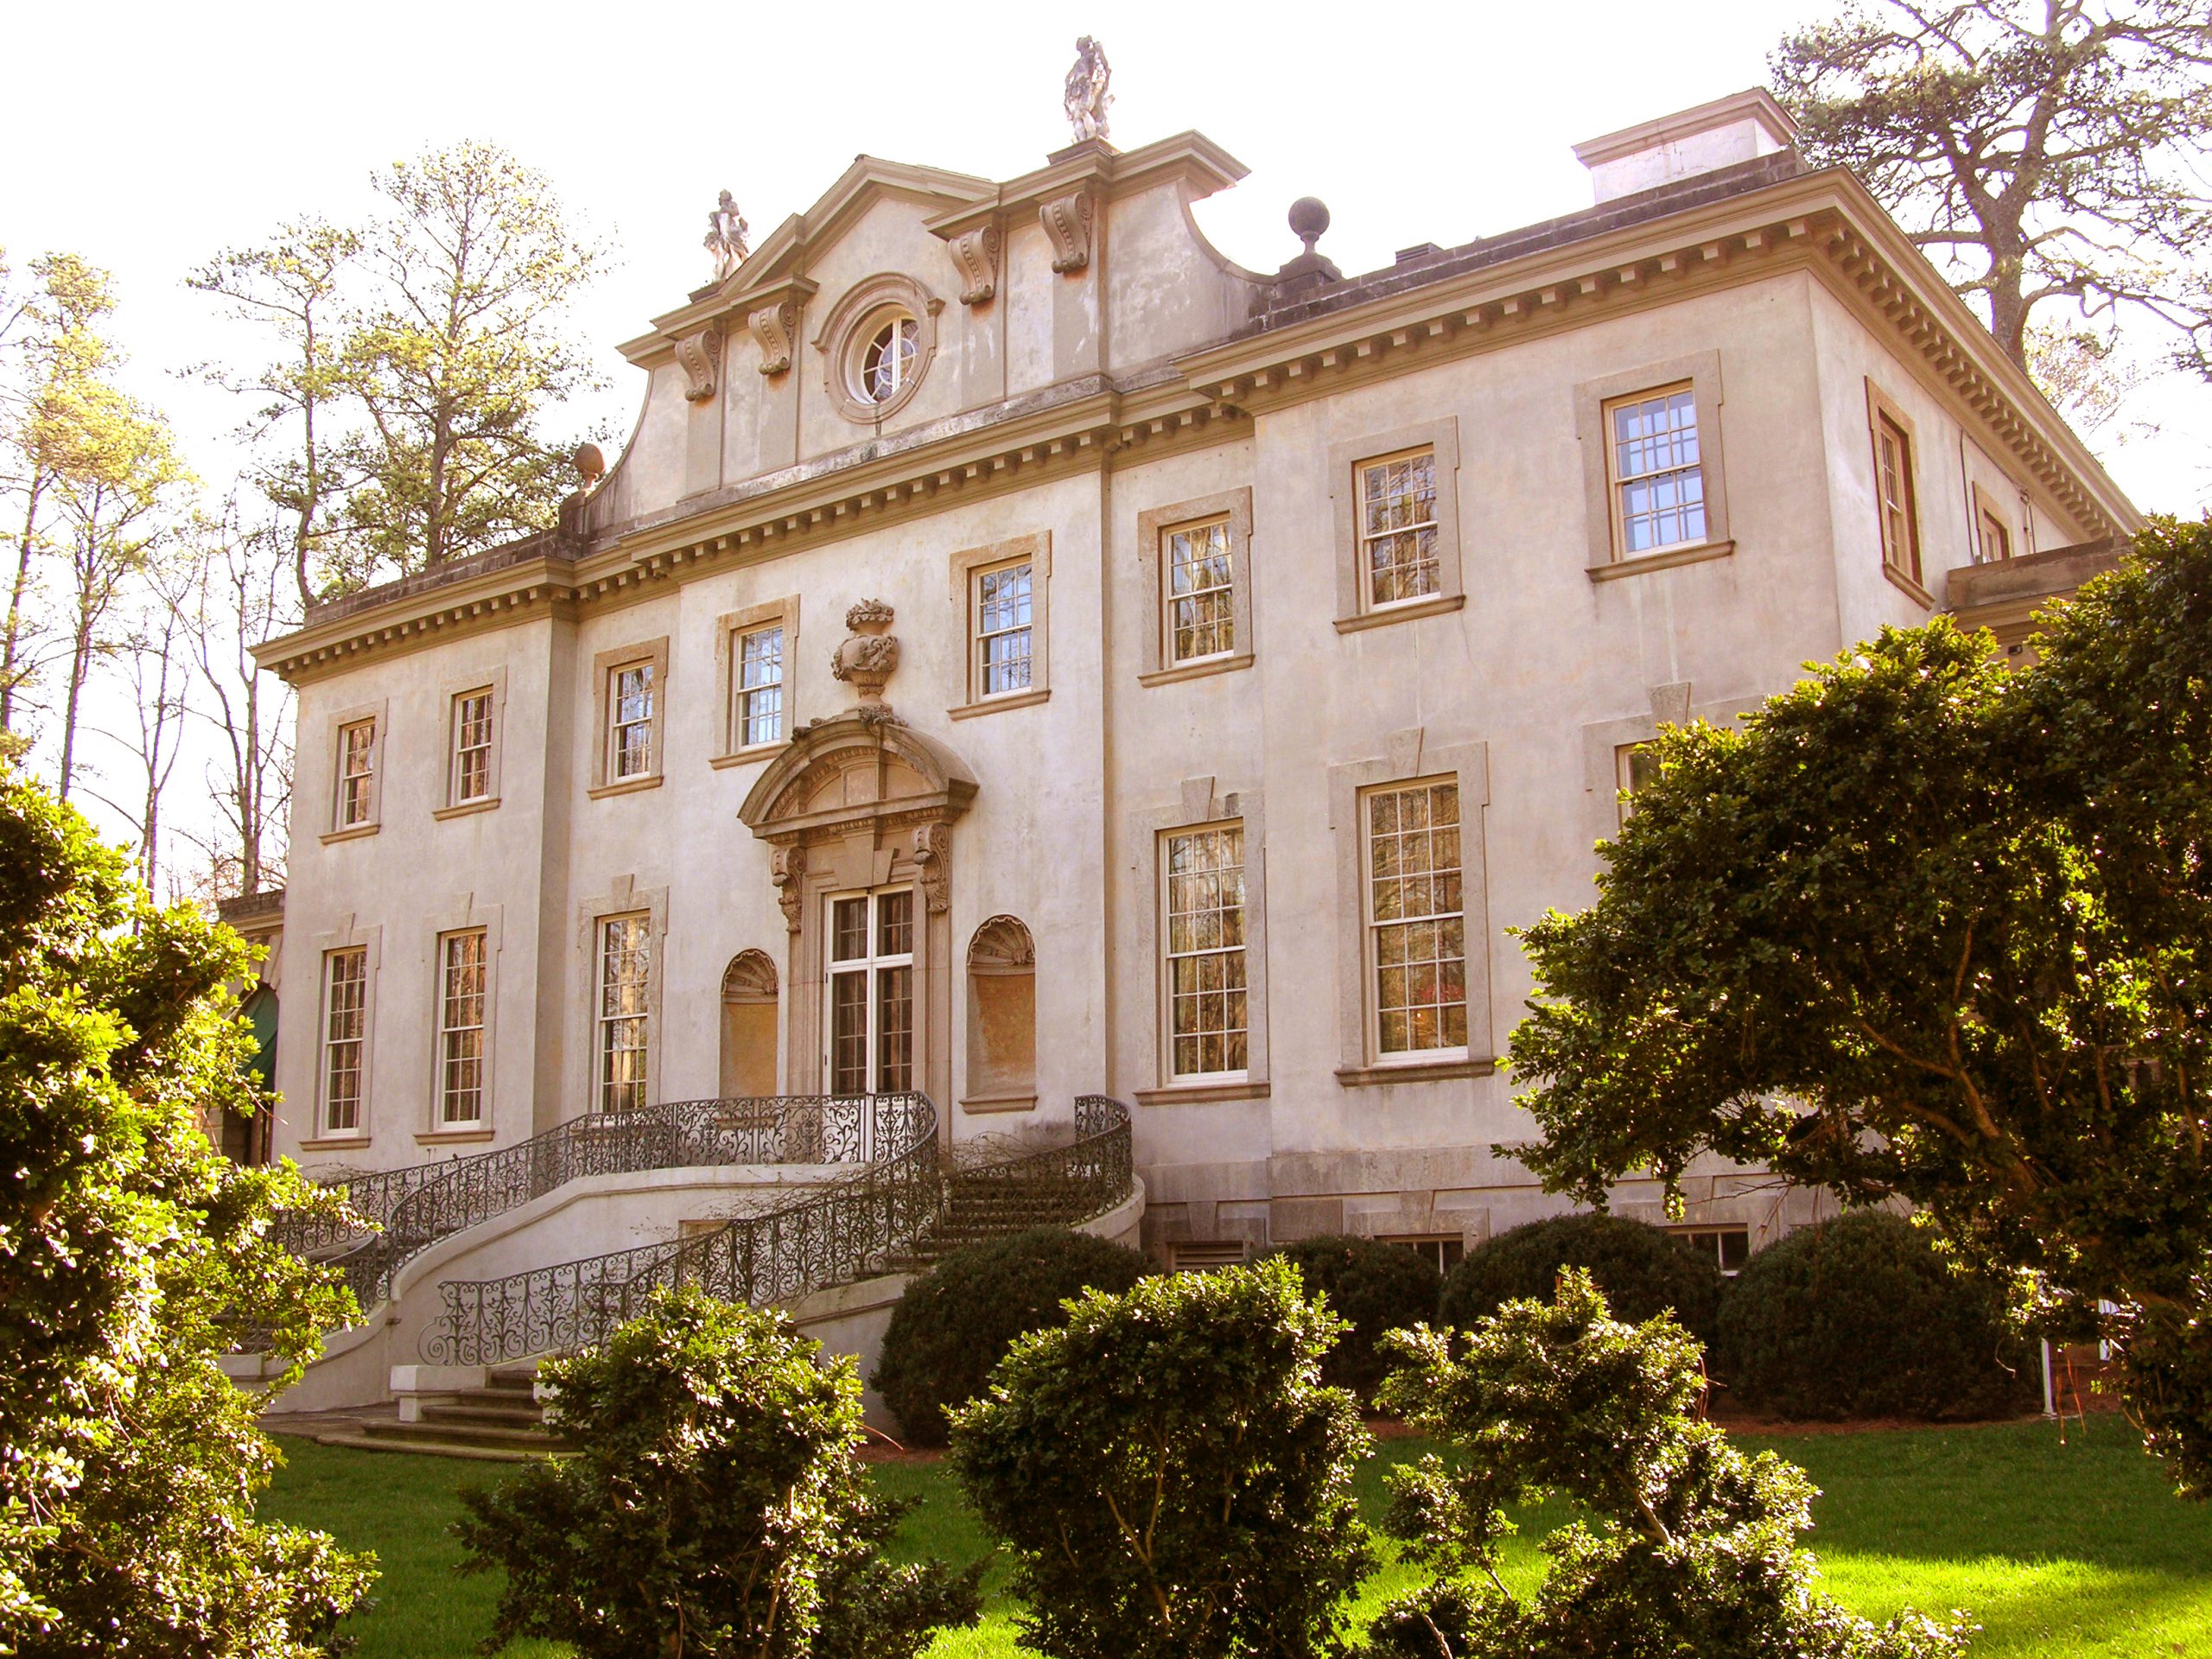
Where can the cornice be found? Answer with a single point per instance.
(1202, 166)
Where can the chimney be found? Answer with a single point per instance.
(1738, 128)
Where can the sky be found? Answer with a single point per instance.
(153, 135)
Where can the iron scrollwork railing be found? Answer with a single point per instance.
(1070, 1183)
(834, 1235)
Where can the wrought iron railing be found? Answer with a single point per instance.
(1068, 1183)
(832, 1236)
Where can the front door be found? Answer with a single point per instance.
(869, 989)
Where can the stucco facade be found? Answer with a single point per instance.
(1084, 377)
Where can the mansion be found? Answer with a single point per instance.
(1020, 654)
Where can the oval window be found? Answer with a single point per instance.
(891, 341)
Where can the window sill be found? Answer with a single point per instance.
(358, 831)
(748, 755)
(1198, 670)
(451, 1137)
(1899, 580)
(1368, 1077)
(1010, 700)
(628, 787)
(1178, 1094)
(1696, 554)
(999, 1103)
(1435, 604)
(463, 808)
(336, 1143)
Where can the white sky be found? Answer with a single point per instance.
(147, 137)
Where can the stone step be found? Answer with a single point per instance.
(483, 1436)
(360, 1442)
(494, 1413)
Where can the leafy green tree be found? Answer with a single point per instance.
(130, 1252)
(2045, 153)
(1930, 929)
(1680, 1545)
(715, 1508)
(1170, 1474)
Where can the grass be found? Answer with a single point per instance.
(2057, 1541)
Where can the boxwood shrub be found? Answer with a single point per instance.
(1378, 1287)
(958, 1320)
(1858, 1317)
(1643, 1269)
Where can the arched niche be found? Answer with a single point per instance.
(1001, 1017)
(748, 1025)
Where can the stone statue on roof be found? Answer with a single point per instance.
(1087, 97)
(725, 240)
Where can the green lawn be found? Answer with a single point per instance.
(2054, 1545)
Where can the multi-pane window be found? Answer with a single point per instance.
(886, 364)
(1002, 629)
(1443, 1251)
(472, 746)
(1635, 766)
(461, 1028)
(1730, 1248)
(1996, 539)
(871, 974)
(1201, 614)
(1658, 480)
(760, 686)
(1416, 919)
(356, 773)
(345, 1031)
(1893, 493)
(1397, 528)
(630, 721)
(625, 968)
(1208, 1021)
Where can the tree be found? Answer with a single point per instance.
(130, 1252)
(1682, 1544)
(1170, 1474)
(1926, 928)
(715, 1508)
(2043, 152)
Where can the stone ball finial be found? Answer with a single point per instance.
(1309, 218)
(590, 464)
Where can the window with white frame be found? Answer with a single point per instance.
(1657, 471)
(1003, 619)
(460, 1028)
(759, 686)
(472, 746)
(345, 1033)
(1443, 1251)
(1416, 919)
(630, 721)
(1635, 767)
(869, 982)
(1398, 554)
(624, 1019)
(356, 773)
(1729, 1246)
(1200, 613)
(1208, 1019)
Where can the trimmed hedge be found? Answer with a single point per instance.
(1643, 1269)
(957, 1321)
(1378, 1286)
(1858, 1317)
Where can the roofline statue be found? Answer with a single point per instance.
(725, 239)
(1087, 97)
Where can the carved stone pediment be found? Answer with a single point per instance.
(839, 774)
(699, 355)
(1066, 220)
(975, 253)
(773, 326)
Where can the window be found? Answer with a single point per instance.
(878, 342)
(345, 1031)
(1002, 630)
(460, 1028)
(1995, 542)
(1201, 610)
(1658, 476)
(632, 694)
(472, 746)
(1893, 492)
(625, 971)
(871, 992)
(760, 687)
(1635, 766)
(1398, 528)
(1208, 1024)
(890, 344)
(1443, 1251)
(1416, 925)
(1729, 1247)
(630, 721)
(356, 773)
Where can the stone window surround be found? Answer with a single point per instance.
(1409, 758)
(378, 714)
(1153, 528)
(1197, 805)
(1879, 405)
(465, 915)
(347, 935)
(1034, 547)
(1602, 741)
(602, 678)
(1592, 399)
(1353, 610)
(1981, 500)
(622, 897)
(774, 612)
(495, 681)
(839, 342)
